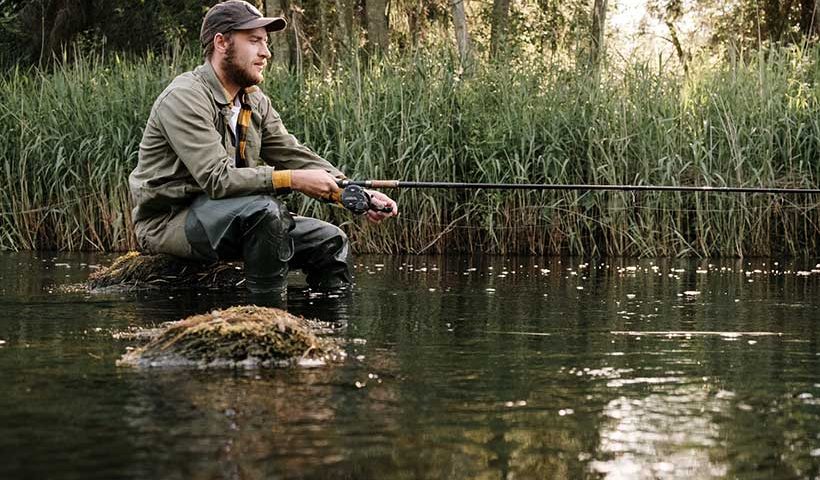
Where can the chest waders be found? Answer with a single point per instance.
(260, 230)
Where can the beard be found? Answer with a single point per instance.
(236, 73)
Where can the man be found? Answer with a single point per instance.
(213, 157)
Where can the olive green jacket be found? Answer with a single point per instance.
(187, 149)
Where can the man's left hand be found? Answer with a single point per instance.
(378, 199)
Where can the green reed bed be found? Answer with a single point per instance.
(71, 137)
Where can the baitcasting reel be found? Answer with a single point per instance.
(357, 200)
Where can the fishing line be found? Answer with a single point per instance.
(571, 187)
(406, 219)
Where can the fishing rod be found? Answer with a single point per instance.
(356, 199)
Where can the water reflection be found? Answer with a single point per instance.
(250, 425)
(458, 367)
(666, 435)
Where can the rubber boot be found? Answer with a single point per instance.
(267, 248)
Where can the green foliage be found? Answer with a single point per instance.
(323, 32)
(37, 31)
(71, 138)
(752, 24)
(137, 25)
(536, 28)
(10, 34)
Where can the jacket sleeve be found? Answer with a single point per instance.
(282, 150)
(186, 118)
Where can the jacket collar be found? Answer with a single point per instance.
(206, 71)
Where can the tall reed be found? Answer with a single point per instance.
(72, 137)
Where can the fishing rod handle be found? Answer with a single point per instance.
(369, 183)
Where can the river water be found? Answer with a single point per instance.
(458, 367)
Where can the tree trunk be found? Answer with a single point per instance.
(281, 47)
(462, 34)
(498, 33)
(414, 15)
(378, 32)
(774, 20)
(814, 27)
(325, 44)
(810, 18)
(682, 56)
(296, 53)
(52, 25)
(598, 22)
(344, 25)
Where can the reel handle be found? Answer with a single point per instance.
(357, 200)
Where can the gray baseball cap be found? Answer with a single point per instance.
(236, 15)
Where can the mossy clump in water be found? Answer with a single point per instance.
(135, 270)
(238, 336)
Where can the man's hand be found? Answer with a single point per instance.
(378, 199)
(321, 185)
(315, 183)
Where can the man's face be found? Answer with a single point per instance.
(246, 56)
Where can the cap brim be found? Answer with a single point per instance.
(271, 24)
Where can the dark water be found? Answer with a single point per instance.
(458, 367)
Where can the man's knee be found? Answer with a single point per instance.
(336, 233)
(329, 264)
(335, 239)
(267, 213)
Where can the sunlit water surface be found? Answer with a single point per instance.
(458, 367)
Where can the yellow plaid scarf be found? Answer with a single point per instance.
(242, 124)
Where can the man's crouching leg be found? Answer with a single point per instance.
(267, 247)
(322, 252)
(254, 228)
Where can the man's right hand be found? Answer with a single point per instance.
(315, 183)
